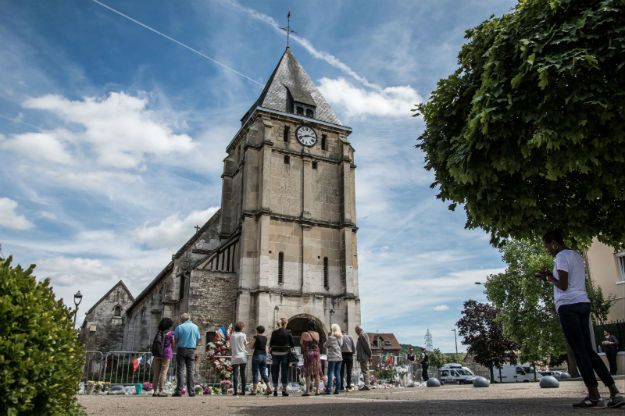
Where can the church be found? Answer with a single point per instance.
(283, 243)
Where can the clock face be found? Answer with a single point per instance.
(306, 136)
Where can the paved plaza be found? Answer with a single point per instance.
(499, 399)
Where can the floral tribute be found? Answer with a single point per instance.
(218, 353)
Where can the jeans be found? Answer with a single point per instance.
(279, 366)
(334, 369)
(185, 357)
(259, 365)
(348, 366)
(235, 377)
(575, 320)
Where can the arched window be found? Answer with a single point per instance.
(117, 311)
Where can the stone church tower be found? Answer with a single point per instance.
(283, 243)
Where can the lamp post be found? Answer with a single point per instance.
(455, 340)
(77, 300)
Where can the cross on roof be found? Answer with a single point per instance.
(197, 228)
(287, 29)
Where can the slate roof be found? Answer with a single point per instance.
(290, 77)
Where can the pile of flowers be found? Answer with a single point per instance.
(218, 353)
(147, 386)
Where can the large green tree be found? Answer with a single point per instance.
(529, 132)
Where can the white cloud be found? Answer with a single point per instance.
(47, 215)
(120, 128)
(9, 218)
(358, 102)
(441, 308)
(38, 146)
(173, 231)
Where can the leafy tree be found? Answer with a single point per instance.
(528, 133)
(437, 358)
(600, 304)
(484, 336)
(527, 311)
(41, 358)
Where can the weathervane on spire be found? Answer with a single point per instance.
(287, 29)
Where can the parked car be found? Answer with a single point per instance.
(560, 375)
(454, 373)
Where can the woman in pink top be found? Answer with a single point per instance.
(162, 352)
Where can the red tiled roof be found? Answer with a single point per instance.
(389, 342)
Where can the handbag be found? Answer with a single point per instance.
(292, 356)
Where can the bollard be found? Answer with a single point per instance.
(433, 382)
(481, 382)
(549, 382)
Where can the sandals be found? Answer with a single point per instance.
(587, 402)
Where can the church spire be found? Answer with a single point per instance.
(290, 90)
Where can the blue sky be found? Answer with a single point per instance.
(112, 137)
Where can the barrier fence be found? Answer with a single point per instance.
(135, 367)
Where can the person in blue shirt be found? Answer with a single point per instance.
(187, 335)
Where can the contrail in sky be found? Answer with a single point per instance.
(213, 60)
(325, 56)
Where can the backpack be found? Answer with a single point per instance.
(158, 344)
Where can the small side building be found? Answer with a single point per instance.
(103, 327)
(383, 346)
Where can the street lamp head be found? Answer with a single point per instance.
(77, 298)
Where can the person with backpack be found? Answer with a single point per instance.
(162, 353)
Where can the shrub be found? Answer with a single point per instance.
(41, 358)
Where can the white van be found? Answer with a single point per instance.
(454, 373)
(515, 373)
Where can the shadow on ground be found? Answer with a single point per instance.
(422, 407)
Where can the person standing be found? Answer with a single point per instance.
(187, 335)
(363, 355)
(162, 353)
(610, 347)
(309, 342)
(347, 351)
(238, 343)
(259, 360)
(573, 307)
(425, 363)
(279, 346)
(335, 359)
(411, 360)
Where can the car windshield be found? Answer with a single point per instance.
(465, 372)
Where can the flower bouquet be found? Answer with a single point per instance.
(147, 386)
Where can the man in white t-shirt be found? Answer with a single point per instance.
(573, 307)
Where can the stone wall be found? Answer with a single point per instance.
(102, 329)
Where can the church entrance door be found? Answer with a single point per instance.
(297, 325)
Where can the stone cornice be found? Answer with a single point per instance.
(297, 293)
(300, 220)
